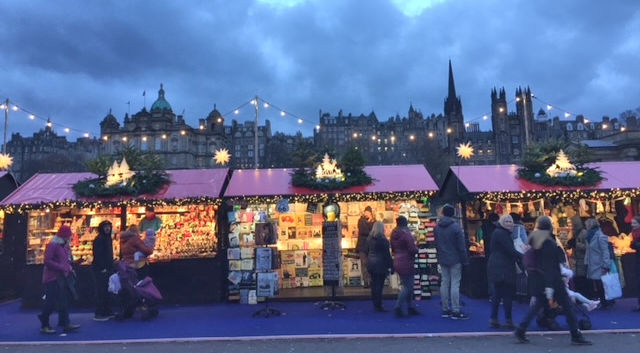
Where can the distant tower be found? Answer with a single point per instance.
(453, 114)
(524, 110)
(500, 125)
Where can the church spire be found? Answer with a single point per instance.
(452, 85)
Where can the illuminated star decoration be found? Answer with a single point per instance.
(465, 150)
(222, 156)
(5, 161)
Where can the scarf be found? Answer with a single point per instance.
(590, 234)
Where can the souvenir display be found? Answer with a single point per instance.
(42, 225)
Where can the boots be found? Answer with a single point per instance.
(521, 335)
(578, 339)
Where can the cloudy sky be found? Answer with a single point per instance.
(74, 60)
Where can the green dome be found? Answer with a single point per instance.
(161, 103)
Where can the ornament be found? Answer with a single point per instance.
(465, 150)
(328, 169)
(222, 156)
(119, 173)
(5, 161)
(562, 166)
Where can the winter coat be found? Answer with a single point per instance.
(129, 244)
(379, 260)
(487, 229)
(579, 252)
(635, 245)
(364, 228)
(450, 242)
(404, 250)
(57, 261)
(597, 258)
(504, 256)
(103, 250)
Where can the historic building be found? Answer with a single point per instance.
(47, 151)
(161, 131)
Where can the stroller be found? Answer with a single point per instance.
(546, 319)
(136, 294)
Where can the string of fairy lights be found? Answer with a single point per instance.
(263, 104)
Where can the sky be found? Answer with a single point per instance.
(73, 61)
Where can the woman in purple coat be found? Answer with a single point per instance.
(404, 248)
(57, 282)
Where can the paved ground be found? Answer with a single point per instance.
(619, 343)
(301, 319)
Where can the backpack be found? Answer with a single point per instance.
(530, 260)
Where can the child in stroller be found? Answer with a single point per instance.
(136, 293)
(579, 304)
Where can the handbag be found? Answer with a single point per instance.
(611, 284)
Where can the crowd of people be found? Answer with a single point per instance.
(125, 282)
(534, 264)
(513, 255)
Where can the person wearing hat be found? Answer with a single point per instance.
(365, 224)
(452, 254)
(57, 282)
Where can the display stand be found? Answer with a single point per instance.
(332, 262)
(264, 265)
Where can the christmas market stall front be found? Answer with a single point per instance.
(184, 263)
(502, 189)
(293, 242)
(8, 184)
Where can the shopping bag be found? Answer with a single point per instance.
(611, 284)
(394, 281)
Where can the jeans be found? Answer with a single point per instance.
(377, 285)
(405, 297)
(450, 287)
(363, 269)
(562, 298)
(103, 305)
(56, 299)
(503, 292)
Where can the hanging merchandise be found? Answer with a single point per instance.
(629, 207)
(531, 207)
(488, 205)
(599, 207)
(499, 209)
(508, 208)
(283, 206)
(607, 206)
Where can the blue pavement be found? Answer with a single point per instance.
(302, 318)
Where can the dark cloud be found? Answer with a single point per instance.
(73, 60)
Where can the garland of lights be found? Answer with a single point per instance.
(322, 198)
(557, 195)
(21, 208)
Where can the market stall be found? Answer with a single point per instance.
(8, 184)
(485, 189)
(285, 227)
(184, 264)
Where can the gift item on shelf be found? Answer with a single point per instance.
(186, 232)
(43, 225)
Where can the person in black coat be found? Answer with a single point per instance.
(365, 224)
(380, 263)
(547, 284)
(501, 270)
(102, 269)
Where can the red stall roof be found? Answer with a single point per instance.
(272, 182)
(503, 178)
(43, 188)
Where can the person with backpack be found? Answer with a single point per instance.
(546, 284)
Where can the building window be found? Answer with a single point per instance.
(144, 145)
(238, 154)
(158, 144)
(250, 153)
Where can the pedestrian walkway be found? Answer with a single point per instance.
(301, 319)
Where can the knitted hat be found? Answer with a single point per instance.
(64, 232)
(448, 210)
